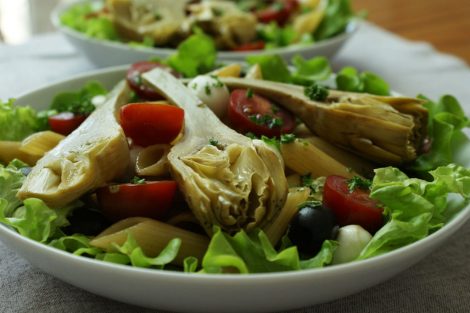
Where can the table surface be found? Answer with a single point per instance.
(445, 24)
(440, 283)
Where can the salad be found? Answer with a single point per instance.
(243, 168)
(242, 25)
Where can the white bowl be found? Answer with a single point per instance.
(212, 293)
(104, 53)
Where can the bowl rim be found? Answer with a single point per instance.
(352, 27)
(455, 223)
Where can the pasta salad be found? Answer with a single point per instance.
(232, 25)
(239, 168)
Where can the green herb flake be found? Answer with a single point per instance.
(137, 180)
(359, 182)
(249, 93)
(315, 185)
(316, 92)
(275, 122)
(267, 120)
(251, 135)
(213, 142)
(218, 83)
(288, 138)
(208, 90)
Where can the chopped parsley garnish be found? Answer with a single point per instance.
(315, 185)
(218, 83)
(268, 120)
(213, 142)
(80, 102)
(208, 90)
(316, 92)
(359, 182)
(137, 180)
(251, 135)
(273, 142)
(249, 93)
(288, 138)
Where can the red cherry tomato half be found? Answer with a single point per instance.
(66, 122)
(354, 207)
(278, 12)
(251, 46)
(150, 199)
(252, 113)
(150, 124)
(134, 79)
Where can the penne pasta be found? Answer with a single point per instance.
(183, 218)
(254, 72)
(232, 70)
(152, 161)
(308, 22)
(357, 164)
(152, 236)
(39, 143)
(31, 149)
(302, 131)
(10, 150)
(278, 228)
(305, 158)
(294, 180)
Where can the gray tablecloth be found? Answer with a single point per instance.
(439, 283)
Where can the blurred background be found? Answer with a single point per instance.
(445, 24)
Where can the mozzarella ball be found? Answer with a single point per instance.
(351, 239)
(211, 91)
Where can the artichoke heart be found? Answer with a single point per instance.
(386, 130)
(235, 184)
(159, 20)
(95, 153)
(224, 20)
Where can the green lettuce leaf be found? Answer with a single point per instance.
(349, 79)
(137, 257)
(191, 264)
(445, 123)
(17, 122)
(304, 72)
(77, 244)
(78, 102)
(396, 234)
(276, 36)
(414, 207)
(78, 18)
(11, 180)
(253, 253)
(273, 67)
(36, 220)
(311, 70)
(196, 55)
(337, 16)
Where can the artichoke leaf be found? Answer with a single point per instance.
(156, 19)
(92, 155)
(386, 130)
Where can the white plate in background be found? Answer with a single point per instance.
(105, 53)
